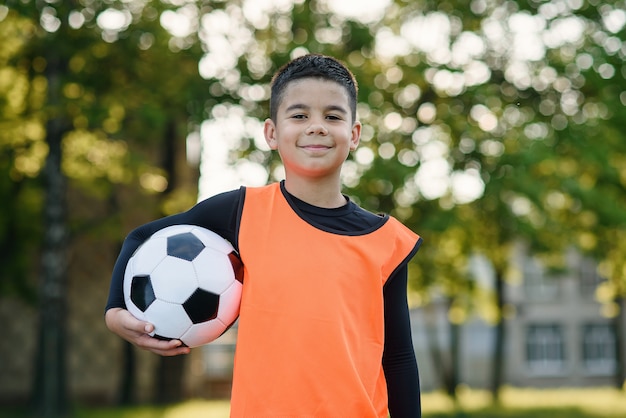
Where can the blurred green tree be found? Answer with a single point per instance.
(90, 112)
(21, 154)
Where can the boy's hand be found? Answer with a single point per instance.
(124, 324)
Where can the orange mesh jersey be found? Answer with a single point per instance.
(311, 325)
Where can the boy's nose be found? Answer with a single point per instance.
(316, 128)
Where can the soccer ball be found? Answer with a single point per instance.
(186, 281)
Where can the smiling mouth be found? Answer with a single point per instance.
(315, 147)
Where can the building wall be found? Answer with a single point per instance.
(566, 307)
(540, 304)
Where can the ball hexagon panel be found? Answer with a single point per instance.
(172, 321)
(174, 280)
(186, 246)
(202, 306)
(148, 256)
(200, 333)
(214, 270)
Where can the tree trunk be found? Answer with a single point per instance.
(50, 390)
(126, 394)
(441, 366)
(169, 380)
(171, 370)
(497, 368)
(620, 343)
(455, 350)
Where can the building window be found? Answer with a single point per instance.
(538, 286)
(599, 348)
(545, 349)
(588, 276)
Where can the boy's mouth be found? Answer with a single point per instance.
(315, 148)
(314, 145)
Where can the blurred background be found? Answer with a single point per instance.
(493, 128)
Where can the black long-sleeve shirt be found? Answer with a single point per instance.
(221, 214)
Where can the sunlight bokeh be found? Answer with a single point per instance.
(520, 37)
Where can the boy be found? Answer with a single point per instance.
(324, 327)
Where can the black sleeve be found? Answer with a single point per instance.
(219, 214)
(399, 363)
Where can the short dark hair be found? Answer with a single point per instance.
(313, 66)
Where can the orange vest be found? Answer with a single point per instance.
(311, 325)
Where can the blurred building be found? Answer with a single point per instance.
(557, 333)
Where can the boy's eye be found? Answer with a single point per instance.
(333, 117)
(298, 116)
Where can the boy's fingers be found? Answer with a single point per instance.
(135, 324)
(163, 348)
(176, 347)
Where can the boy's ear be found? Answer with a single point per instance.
(356, 135)
(269, 130)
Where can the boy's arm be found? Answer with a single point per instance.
(399, 363)
(219, 214)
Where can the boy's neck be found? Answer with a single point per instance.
(320, 193)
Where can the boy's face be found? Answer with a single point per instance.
(313, 131)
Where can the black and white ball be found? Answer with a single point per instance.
(187, 282)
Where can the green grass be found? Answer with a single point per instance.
(528, 413)
(515, 403)
(522, 403)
